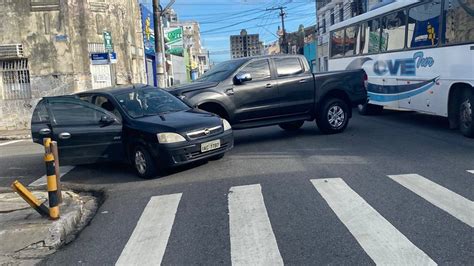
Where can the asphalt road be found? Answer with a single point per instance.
(362, 218)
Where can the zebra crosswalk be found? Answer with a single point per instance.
(252, 238)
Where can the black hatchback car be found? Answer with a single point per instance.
(140, 124)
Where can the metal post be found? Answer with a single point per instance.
(54, 150)
(285, 42)
(51, 181)
(316, 39)
(159, 40)
(30, 199)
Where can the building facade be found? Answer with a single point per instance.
(55, 47)
(245, 45)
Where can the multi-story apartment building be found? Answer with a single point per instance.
(245, 45)
(51, 47)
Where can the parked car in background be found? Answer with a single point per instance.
(141, 125)
(277, 90)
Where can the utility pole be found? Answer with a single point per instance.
(159, 40)
(316, 65)
(284, 46)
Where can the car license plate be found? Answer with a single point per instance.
(211, 145)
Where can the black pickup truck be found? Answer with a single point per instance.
(277, 90)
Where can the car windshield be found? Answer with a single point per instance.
(221, 71)
(149, 102)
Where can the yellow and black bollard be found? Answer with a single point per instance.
(51, 181)
(30, 198)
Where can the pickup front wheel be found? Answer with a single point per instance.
(333, 116)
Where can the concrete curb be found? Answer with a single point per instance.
(80, 211)
(15, 137)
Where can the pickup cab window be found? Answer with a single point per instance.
(288, 66)
(259, 70)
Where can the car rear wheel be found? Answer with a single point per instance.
(144, 164)
(292, 126)
(466, 114)
(333, 116)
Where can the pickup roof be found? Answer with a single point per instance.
(277, 90)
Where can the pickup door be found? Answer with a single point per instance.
(295, 86)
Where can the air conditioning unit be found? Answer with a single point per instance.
(11, 51)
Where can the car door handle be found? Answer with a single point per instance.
(229, 91)
(303, 81)
(45, 131)
(268, 85)
(65, 135)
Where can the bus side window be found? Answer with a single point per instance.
(350, 41)
(459, 21)
(361, 41)
(423, 25)
(393, 31)
(372, 37)
(337, 43)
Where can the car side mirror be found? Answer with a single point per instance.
(106, 120)
(242, 77)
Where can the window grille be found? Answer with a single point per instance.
(15, 79)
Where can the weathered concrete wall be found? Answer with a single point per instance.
(62, 65)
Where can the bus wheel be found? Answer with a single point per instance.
(369, 109)
(466, 114)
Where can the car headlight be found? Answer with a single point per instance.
(226, 125)
(170, 138)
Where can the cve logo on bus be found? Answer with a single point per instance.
(403, 67)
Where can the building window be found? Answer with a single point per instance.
(99, 24)
(341, 14)
(332, 17)
(324, 26)
(15, 79)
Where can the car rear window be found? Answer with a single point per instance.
(288, 66)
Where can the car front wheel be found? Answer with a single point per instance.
(144, 164)
(333, 116)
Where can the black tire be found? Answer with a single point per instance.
(369, 109)
(217, 157)
(329, 111)
(144, 164)
(292, 126)
(466, 114)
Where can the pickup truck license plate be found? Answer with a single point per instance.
(211, 145)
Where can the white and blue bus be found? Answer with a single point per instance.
(419, 55)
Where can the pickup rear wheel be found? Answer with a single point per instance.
(333, 116)
(292, 126)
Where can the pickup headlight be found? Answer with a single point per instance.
(170, 138)
(226, 125)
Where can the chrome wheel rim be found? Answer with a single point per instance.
(336, 116)
(466, 113)
(140, 162)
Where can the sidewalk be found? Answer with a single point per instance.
(15, 134)
(26, 237)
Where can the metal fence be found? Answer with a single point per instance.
(15, 79)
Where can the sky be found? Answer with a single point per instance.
(221, 18)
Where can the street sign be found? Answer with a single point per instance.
(99, 58)
(109, 46)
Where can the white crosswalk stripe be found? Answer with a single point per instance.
(149, 239)
(377, 236)
(251, 236)
(441, 197)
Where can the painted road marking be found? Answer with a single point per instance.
(377, 236)
(252, 241)
(11, 142)
(147, 244)
(441, 197)
(42, 180)
(471, 171)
